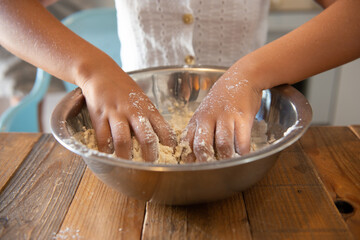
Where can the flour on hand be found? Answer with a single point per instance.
(178, 120)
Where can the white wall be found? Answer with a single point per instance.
(335, 94)
(347, 95)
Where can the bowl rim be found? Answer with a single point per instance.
(304, 117)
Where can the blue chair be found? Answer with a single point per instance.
(97, 26)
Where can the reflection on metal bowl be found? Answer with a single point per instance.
(284, 109)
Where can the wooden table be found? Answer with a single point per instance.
(48, 193)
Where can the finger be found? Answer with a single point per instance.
(103, 136)
(203, 142)
(121, 135)
(224, 139)
(163, 130)
(148, 140)
(186, 143)
(101, 126)
(242, 133)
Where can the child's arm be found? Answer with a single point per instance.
(224, 119)
(115, 102)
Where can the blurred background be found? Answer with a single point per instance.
(333, 95)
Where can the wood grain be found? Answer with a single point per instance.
(292, 168)
(281, 210)
(356, 130)
(302, 235)
(335, 152)
(13, 150)
(47, 194)
(225, 219)
(37, 197)
(99, 212)
(291, 202)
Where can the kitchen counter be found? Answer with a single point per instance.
(312, 192)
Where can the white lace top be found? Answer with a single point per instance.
(173, 32)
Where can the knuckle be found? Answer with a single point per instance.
(201, 148)
(198, 148)
(122, 141)
(98, 111)
(149, 140)
(223, 145)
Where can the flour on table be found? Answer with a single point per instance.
(178, 120)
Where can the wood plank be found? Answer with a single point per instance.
(291, 168)
(281, 210)
(356, 130)
(289, 201)
(14, 147)
(292, 201)
(37, 197)
(301, 236)
(99, 212)
(225, 219)
(335, 152)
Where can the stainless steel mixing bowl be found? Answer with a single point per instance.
(285, 110)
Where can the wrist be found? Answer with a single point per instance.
(89, 67)
(251, 71)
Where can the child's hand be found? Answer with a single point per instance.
(118, 108)
(222, 123)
